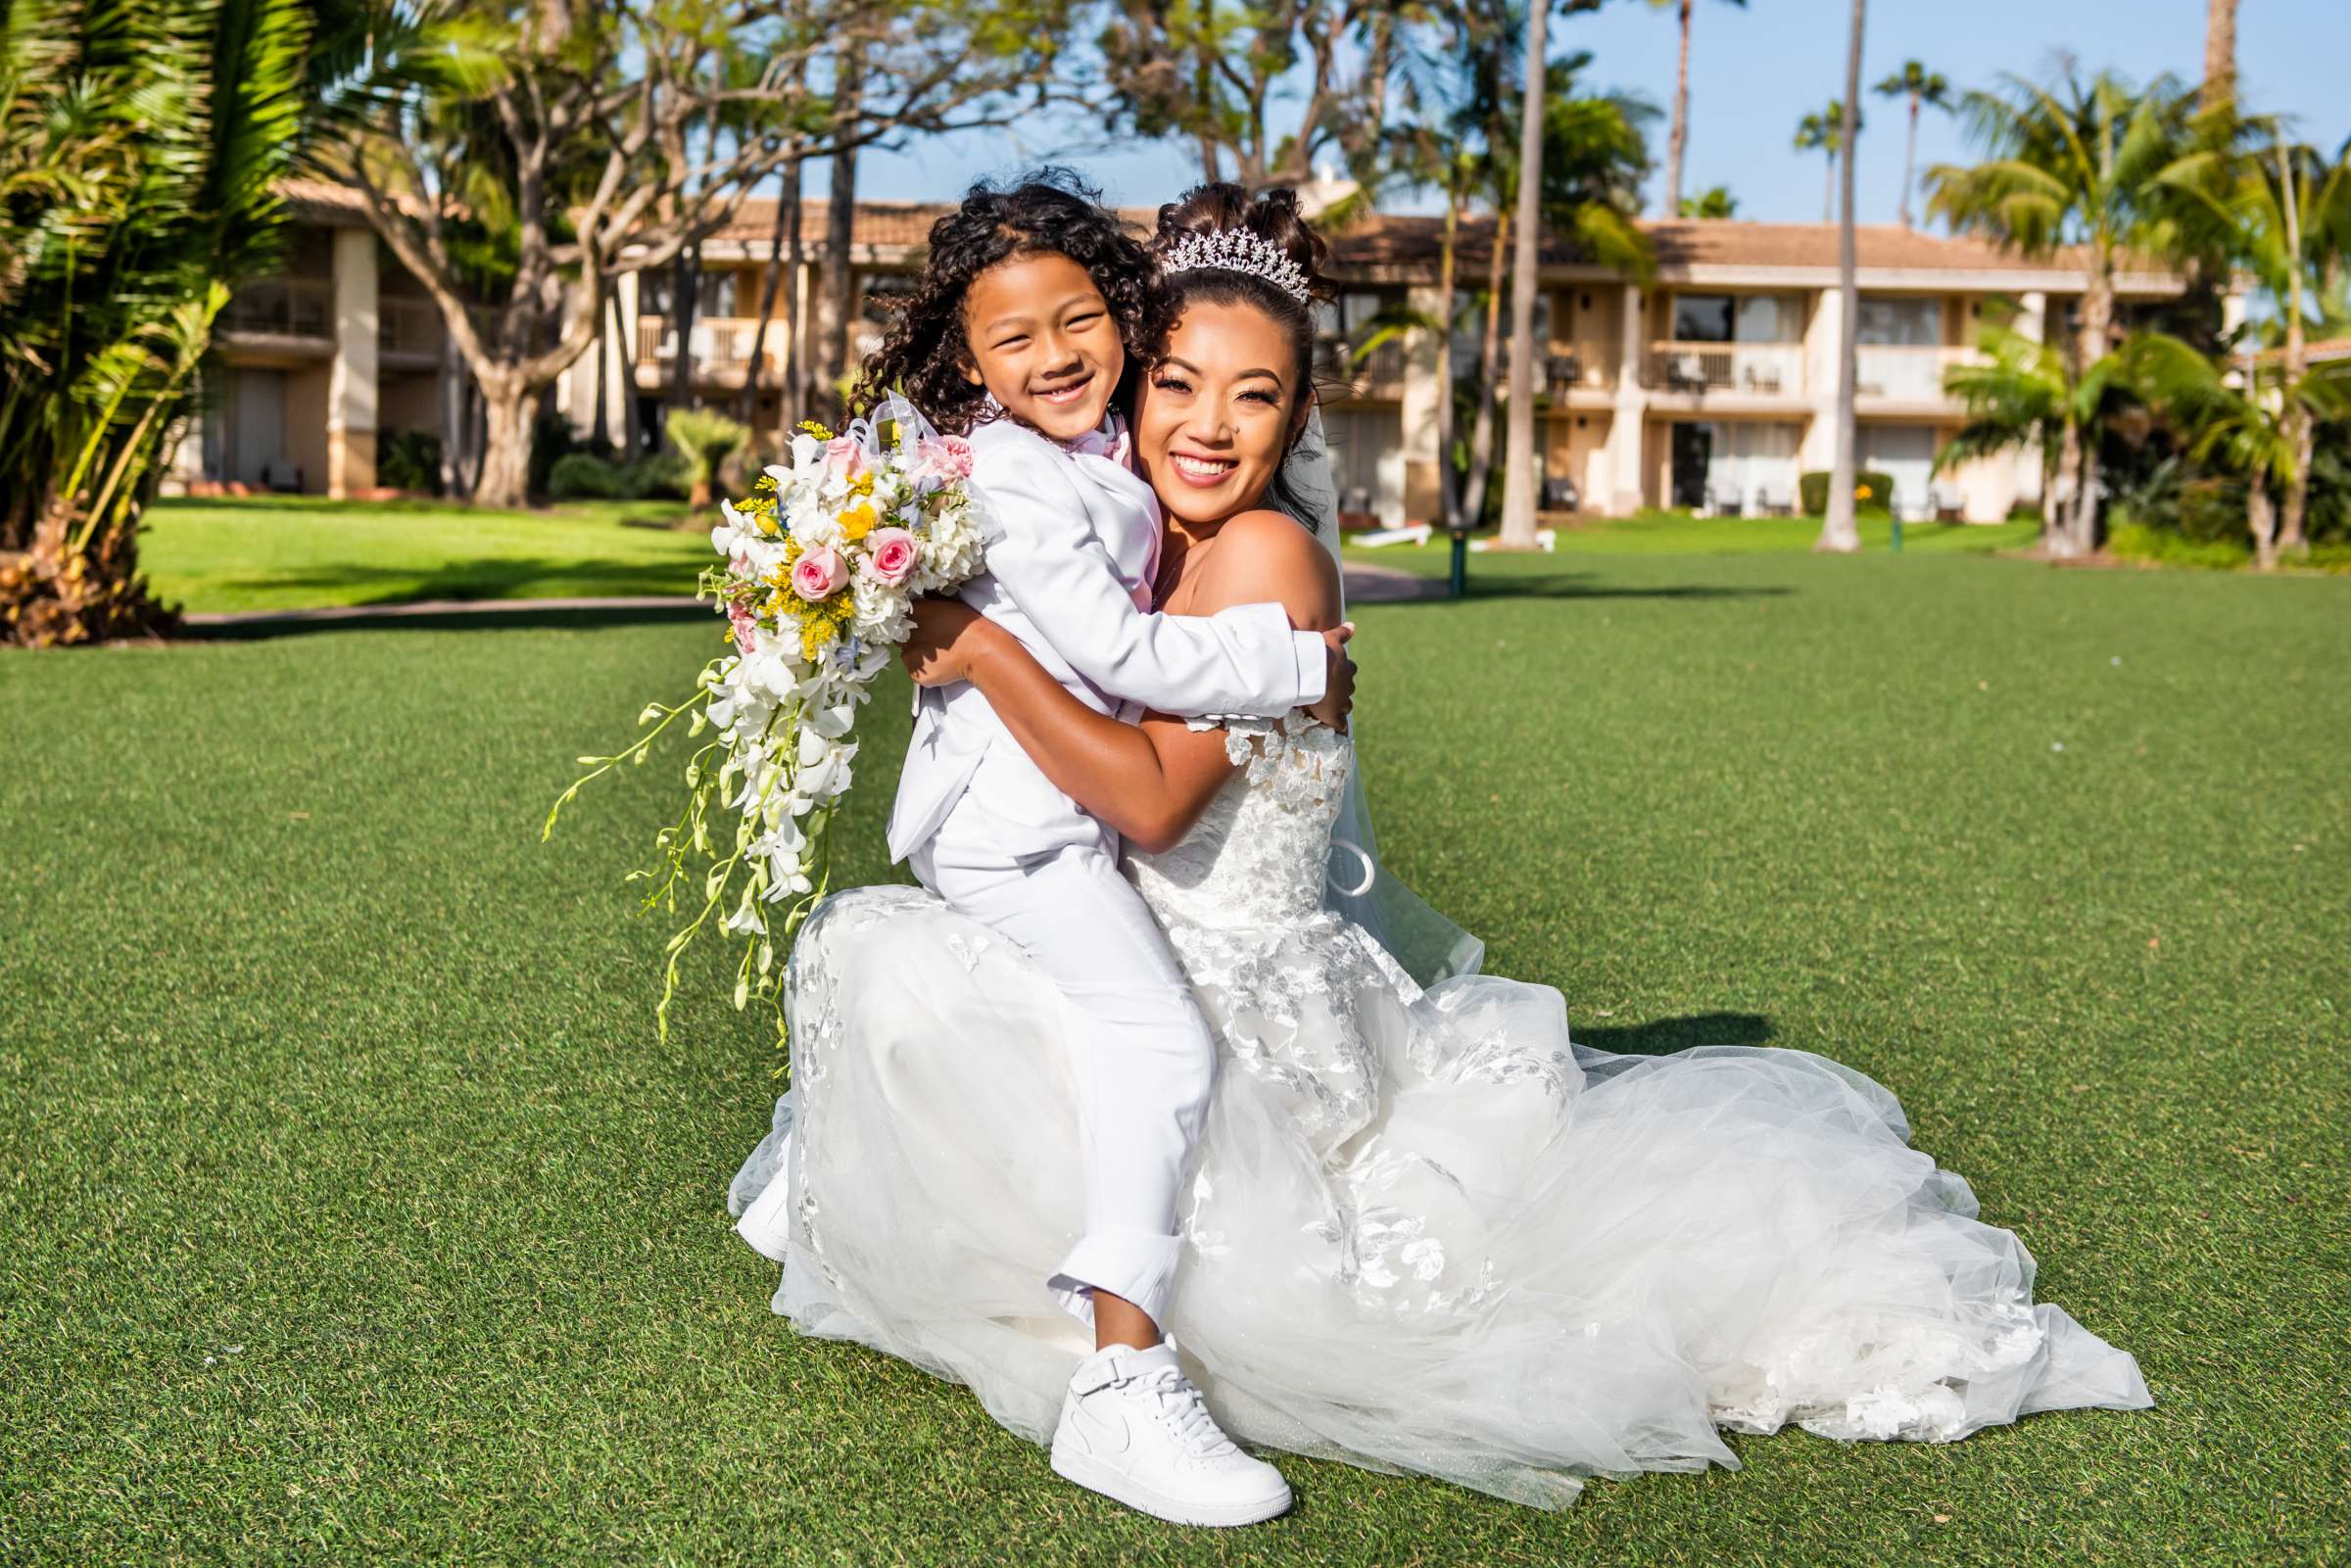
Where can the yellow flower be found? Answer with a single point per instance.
(817, 629)
(816, 430)
(863, 484)
(1861, 492)
(857, 522)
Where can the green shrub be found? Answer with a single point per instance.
(409, 459)
(1872, 492)
(584, 475)
(2137, 542)
(2022, 510)
(663, 476)
(707, 439)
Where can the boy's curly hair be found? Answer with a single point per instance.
(1050, 211)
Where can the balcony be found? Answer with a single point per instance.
(722, 344)
(405, 327)
(1377, 374)
(1765, 369)
(1905, 373)
(283, 308)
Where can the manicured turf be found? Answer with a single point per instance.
(354, 1212)
(1657, 533)
(284, 553)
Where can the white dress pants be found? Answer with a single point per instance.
(1141, 1058)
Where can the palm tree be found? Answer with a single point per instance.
(2259, 431)
(143, 146)
(2022, 393)
(1715, 201)
(1824, 132)
(2219, 54)
(1678, 138)
(1837, 530)
(1519, 453)
(2282, 211)
(2075, 164)
(707, 439)
(1925, 90)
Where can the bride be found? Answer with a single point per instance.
(1425, 1231)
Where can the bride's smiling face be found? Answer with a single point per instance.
(1217, 413)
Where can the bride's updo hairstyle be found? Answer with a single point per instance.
(1273, 217)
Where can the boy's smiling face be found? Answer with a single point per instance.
(1044, 343)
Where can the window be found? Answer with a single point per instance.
(1910, 322)
(713, 295)
(1702, 318)
(1736, 318)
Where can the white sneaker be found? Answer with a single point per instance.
(1133, 1428)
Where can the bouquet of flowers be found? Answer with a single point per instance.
(822, 562)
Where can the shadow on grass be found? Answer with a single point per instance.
(548, 617)
(1580, 586)
(496, 578)
(1679, 1034)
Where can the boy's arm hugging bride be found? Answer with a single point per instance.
(1125, 1054)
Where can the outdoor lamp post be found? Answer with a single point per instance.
(1461, 559)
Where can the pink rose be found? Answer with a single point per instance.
(844, 455)
(815, 575)
(892, 555)
(942, 459)
(744, 620)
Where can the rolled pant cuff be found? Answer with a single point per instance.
(1137, 1266)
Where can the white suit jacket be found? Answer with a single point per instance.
(1072, 545)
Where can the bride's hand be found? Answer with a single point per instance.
(948, 635)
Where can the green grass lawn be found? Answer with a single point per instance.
(282, 553)
(355, 1214)
(1664, 533)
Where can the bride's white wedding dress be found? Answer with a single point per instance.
(1427, 1233)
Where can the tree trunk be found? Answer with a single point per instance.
(771, 281)
(599, 431)
(1910, 160)
(2057, 495)
(1449, 502)
(1481, 429)
(506, 445)
(2298, 426)
(831, 353)
(1838, 530)
(1679, 137)
(2261, 517)
(1519, 453)
(2098, 324)
(624, 339)
(1828, 188)
(2219, 54)
(686, 287)
(794, 400)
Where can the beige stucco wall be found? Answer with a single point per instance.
(305, 424)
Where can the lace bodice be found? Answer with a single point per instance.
(1255, 857)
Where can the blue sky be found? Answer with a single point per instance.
(1755, 71)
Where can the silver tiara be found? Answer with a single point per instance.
(1236, 249)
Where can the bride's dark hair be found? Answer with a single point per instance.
(1275, 218)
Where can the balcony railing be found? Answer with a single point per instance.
(721, 343)
(1701, 367)
(407, 326)
(1904, 372)
(283, 308)
(1377, 374)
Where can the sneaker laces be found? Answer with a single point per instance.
(1186, 1412)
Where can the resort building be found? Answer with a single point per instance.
(1711, 386)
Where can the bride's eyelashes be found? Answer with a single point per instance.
(1166, 381)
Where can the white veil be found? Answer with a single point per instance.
(1358, 887)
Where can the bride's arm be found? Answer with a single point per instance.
(1149, 781)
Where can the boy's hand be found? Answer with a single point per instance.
(948, 635)
(1338, 685)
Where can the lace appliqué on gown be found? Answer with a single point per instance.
(1427, 1230)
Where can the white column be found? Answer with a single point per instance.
(351, 383)
(1421, 348)
(1632, 407)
